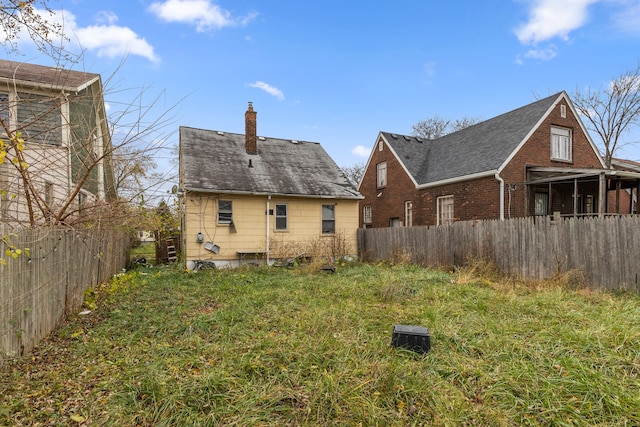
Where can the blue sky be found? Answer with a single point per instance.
(338, 72)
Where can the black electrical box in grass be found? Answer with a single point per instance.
(414, 338)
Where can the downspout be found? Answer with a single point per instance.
(501, 181)
(268, 242)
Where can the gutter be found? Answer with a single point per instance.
(478, 175)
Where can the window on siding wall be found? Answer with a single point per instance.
(560, 144)
(366, 214)
(282, 222)
(328, 219)
(382, 174)
(41, 118)
(4, 108)
(408, 213)
(225, 211)
(445, 210)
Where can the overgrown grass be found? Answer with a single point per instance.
(267, 346)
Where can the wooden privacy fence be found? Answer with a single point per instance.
(49, 279)
(606, 251)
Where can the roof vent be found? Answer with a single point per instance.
(293, 141)
(394, 136)
(406, 138)
(419, 139)
(262, 138)
(220, 133)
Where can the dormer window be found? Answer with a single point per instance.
(561, 144)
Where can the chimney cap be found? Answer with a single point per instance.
(250, 106)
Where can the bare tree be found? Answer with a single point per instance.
(436, 126)
(354, 172)
(613, 111)
(17, 16)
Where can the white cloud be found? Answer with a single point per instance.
(201, 13)
(106, 38)
(271, 90)
(549, 19)
(545, 54)
(114, 41)
(628, 19)
(361, 151)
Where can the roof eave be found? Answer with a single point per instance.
(484, 174)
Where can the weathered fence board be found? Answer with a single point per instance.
(606, 251)
(49, 280)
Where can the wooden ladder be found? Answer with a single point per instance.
(171, 251)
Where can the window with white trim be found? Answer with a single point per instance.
(560, 144)
(328, 219)
(382, 174)
(366, 214)
(282, 221)
(563, 111)
(445, 210)
(225, 211)
(4, 108)
(408, 213)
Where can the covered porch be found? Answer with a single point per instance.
(575, 192)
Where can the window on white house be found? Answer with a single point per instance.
(382, 174)
(328, 219)
(282, 217)
(408, 213)
(445, 210)
(225, 212)
(366, 214)
(43, 116)
(561, 144)
(82, 201)
(4, 108)
(48, 193)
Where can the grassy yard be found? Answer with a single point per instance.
(302, 347)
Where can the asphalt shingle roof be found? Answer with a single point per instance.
(479, 148)
(218, 162)
(42, 75)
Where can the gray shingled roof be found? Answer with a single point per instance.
(37, 75)
(218, 162)
(480, 148)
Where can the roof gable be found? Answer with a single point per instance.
(215, 161)
(479, 149)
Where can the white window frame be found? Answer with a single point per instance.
(280, 216)
(329, 221)
(381, 174)
(225, 216)
(408, 213)
(366, 214)
(445, 210)
(561, 144)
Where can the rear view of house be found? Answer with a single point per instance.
(536, 160)
(248, 198)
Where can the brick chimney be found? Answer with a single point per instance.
(250, 134)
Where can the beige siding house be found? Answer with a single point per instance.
(61, 116)
(248, 198)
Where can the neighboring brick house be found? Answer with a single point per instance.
(535, 160)
(248, 198)
(61, 116)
